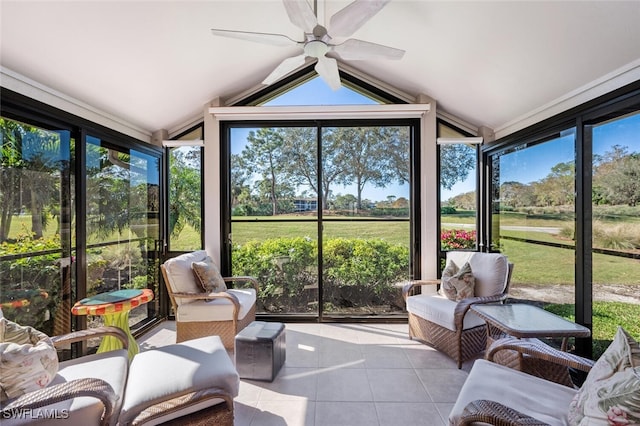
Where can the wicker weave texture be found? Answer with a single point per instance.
(224, 329)
(218, 414)
(473, 341)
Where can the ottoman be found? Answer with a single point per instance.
(260, 350)
(186, 383)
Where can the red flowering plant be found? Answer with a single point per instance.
(457, 239)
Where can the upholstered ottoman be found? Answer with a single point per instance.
(186, 383)
(260, 350)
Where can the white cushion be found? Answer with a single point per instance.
(440, 310)
(180, 274)
(158, 374)
(110, 366)
(217, 309)
(533, 396)
(490, 270)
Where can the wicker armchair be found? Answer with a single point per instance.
(449, 326)
(498, 395)
(201, 314)
(87, 390)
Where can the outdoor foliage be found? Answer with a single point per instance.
(30, 286)
(357, 272)
(457, 239)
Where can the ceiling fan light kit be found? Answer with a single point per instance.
(317, 42)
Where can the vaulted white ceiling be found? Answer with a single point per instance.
(155, 63)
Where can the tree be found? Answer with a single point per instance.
(184, 190)
(621, 184)
(364, 157)
(30, 163)
(265, 155)
(557, 188)
(456, 161)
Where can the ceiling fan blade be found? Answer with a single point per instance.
(354, 49)
(284, 68)
(301, 15)
(346, 21)
(327, 68)
(265, 38)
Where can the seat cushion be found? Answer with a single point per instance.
(189, 366)
(111, 367)
(438, 309)
(533, 396)
(490, 270)
(180, 274)
(217, 309)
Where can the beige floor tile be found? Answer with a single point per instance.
(346, 414)
(289, 384)
(279, 413)
(408, 414)
(443, 385)
(444, 409)
(396, 385)
(344, 385)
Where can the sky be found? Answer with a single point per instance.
(316, 92)
(525, 166)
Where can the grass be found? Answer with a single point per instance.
(392, 232)
(607, 316)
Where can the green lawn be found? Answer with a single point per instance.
(392, 232)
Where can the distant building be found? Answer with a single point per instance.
(305, 205)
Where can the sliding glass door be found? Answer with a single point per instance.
(122, 222)
(322, 215)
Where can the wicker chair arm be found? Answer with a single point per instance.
(464, 305)
(78, 336)
(496, 414)
(541, 351)
(410, 286)
(91, 387)
(244, 279)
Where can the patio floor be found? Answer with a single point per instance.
(346, 374)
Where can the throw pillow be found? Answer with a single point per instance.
(611, 393)
(28, 360)
(458, 284)
(208, 275)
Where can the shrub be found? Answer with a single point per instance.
(356, 271)
(447, 210)
(457, 239)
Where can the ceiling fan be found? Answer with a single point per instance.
(318, 43)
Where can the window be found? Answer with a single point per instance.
(615, 228)
(37, 246)
(322, 214)
(185, 192)
(458, 183)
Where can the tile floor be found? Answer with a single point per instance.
(347, 374)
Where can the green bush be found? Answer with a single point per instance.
(356, 272)
(33, 279)
(447, 210)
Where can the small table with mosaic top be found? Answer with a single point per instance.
(114, 307)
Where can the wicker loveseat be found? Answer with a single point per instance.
(200, 314)
(448, 325)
